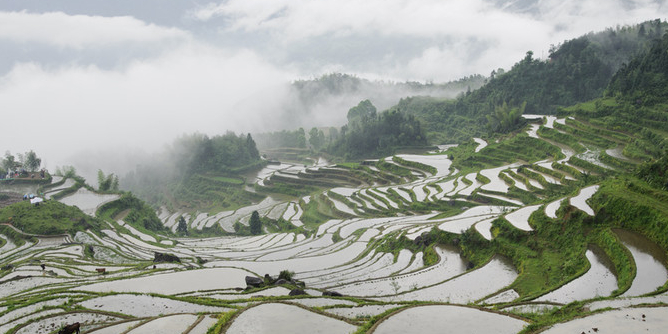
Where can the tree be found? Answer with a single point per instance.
(316, 138)
(108, 182)
(255, 223)
(9, 162)
(32, 162)
(301, 138)
(182, 227)
(333, 134)
(505, 119)
(362, 113)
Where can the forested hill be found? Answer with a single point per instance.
(317, 91)
(645, 79)
(197, 171)
(576, 71)
(372, 134)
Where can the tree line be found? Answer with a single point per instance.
(29, 162)
(576, 71)
(369, 133)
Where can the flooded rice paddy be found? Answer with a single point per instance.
(448, 319)
(88, 201)
(598, 281)
(283, 318)
(651, 320)
(651, 272)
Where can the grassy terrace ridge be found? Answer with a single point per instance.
(48, 218)
(414, 164)
(225, 179)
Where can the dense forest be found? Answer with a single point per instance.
(576, 71)
(369, 133)
(284, 138)
(314, 91)
(645, 78)
(193, 164)
(228, 153)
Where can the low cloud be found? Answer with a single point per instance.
(81, 31)
(87, 83)
(443, 40)
(145, 104)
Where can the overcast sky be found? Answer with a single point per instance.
(93, 74)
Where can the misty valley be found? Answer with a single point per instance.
(532, 200)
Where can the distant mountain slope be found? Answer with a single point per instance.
(576, 71)
(645, 78)
(324, 101)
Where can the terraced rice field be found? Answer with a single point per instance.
(400, 291)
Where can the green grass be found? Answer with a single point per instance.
(139, 214)
(49, 218)
(415, 164)
(629, 203)
(622, 260)
(547, 258)
(224, 179)
(223, 320)
(314, 213)
(16, 237)
(518, 147)
(211, 195)
(350, 165)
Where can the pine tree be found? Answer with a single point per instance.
(255, 223)
(182, 227)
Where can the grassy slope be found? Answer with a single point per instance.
(48, 218)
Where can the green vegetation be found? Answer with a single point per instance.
(228, 153)
(137, 213)
(296, 138)
(255, 223)
(182, 226)
(519, 147)
(16, 237)
(622, 260)
(316, 212)
(48, 218)
(199, 173)
(211, 194)
(286, 275)
(316, 138)
(505, 119)
(644, 79)
(655, 173)
(223, 320)
(576, 71)
(107, 182)
(415, 164)
(374, 134)
(29, 162)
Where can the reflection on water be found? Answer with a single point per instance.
(598, 281)
(448, 319)
(650, 263)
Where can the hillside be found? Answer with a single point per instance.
(191, 172)
(48, 218)
(576, 71)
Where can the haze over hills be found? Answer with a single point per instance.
(324, 101)
(193, 63)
